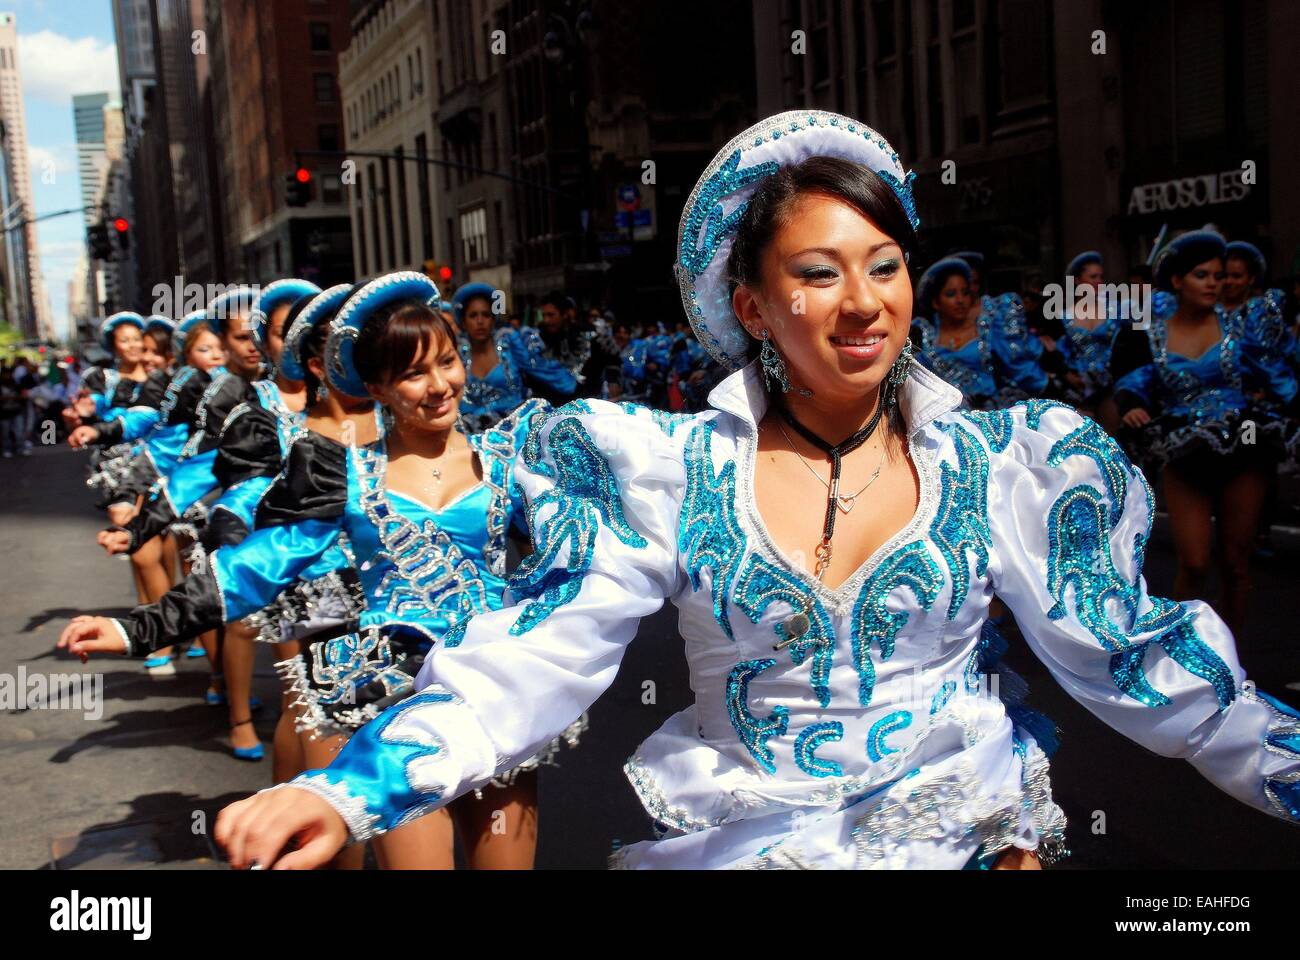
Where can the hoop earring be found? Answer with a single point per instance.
(773, 365)
(898, 372)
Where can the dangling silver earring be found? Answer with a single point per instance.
(322, 393)
(898, 372)
(773, 365)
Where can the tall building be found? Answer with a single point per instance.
(282, 97)
(389, 107)
(29, 287)
(88, 127)
(134, 32)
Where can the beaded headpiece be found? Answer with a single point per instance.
(357, 311)
(321, 307)
(233, 303)
(1195, 246)
(274, 296)
(116, 320)
(718, 202)
(468, 292)
(1080, 261)
(1250, 253)
(933, 279)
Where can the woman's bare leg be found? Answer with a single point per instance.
(1240, 507)
(1191, 520)
(148, 561)
(286, 750)
(499, 832)
(317, 753)
(237, 653)
(423, 844)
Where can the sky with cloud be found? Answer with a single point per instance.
(65, 47)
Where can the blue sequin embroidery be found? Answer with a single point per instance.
(805, 748)
(753, 731)
(961, 523)
(873, 622)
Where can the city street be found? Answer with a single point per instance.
(139, 785)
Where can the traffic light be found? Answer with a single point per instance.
(297, 188)
(97, 242)
(123, 229)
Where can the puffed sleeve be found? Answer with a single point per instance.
(1137, 388)
(242, 579)
(1069, 519)
(529, 353)
(1263, 345)
(604, 491)
(1016, 351)
(248, 460)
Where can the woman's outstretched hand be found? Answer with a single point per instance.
(254, 832)
(82, 436)
(87, 635)
(114, 541)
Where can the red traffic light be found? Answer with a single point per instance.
(444, 273)
(120, 225)
(302, 175)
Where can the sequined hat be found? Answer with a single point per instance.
(1251, 254)
(928, 286)
(159, 322)
(718, 202)
(236, 302)
(1082, 260)
(353, 315)
(321, 307)
(116, 320)
(274, 296)
(187, 325)
(467, 293)
(1186, 251)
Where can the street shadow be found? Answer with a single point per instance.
(160, 829)
(196, 725)
(38, 620)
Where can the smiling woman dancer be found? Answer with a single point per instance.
(838, 718)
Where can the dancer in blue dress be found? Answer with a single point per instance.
(502, 365)
(1205, 404)
(993, 359)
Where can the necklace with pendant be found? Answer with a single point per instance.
(844, 501)
(799, 623)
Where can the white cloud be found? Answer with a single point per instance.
(41, 159)
(54, 67)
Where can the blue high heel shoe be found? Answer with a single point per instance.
(211, 697)
(247, 753)
(195, 651)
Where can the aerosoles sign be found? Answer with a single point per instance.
(1199, 191)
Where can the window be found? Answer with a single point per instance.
(320, 36)
(404, 225)
(358, 194)
(473, 235)
(426, 209)
(327, 135)
(374, 219)
(331, 188)
(324, 85)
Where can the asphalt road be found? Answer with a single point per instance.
(137, 786)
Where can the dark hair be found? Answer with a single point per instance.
(769, 209)
(162, 339)
(770, 206)
(392, 339)
(555, 298)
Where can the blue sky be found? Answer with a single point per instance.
(65, 47)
